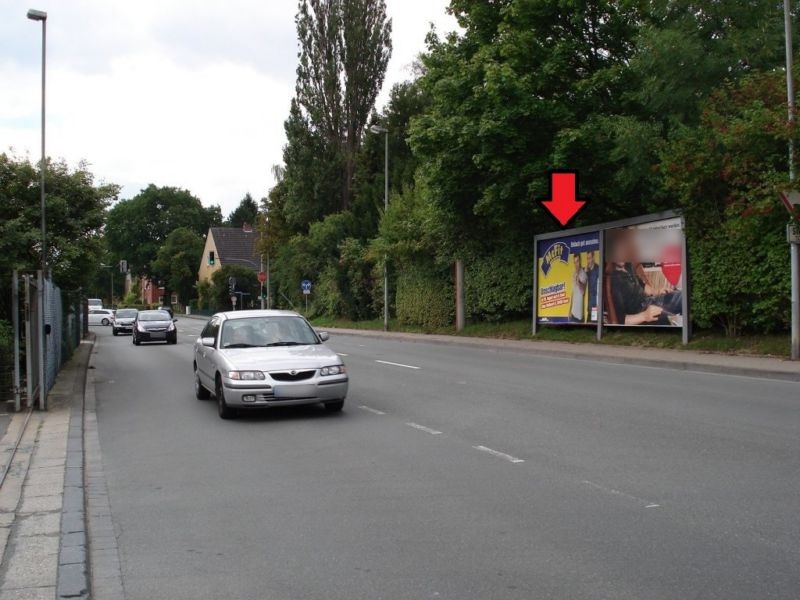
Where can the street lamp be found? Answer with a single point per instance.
(383, 130)
(794, 246)
(39, 15)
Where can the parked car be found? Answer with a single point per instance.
(94, 303)
(154, 326)
(264, 358)
(100, 316)
(123, 320)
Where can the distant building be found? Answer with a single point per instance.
(229, 246)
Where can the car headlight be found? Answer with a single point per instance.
(171, 327)
(332, 370)
(246, 375)
(139, 327)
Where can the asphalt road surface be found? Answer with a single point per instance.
(453, 473)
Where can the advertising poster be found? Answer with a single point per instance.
(567, 281)
(643, 274)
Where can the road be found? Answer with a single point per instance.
(453, 473)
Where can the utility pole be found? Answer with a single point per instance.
(794, 246)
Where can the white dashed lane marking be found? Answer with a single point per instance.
(423, 428)
(499, 454)
(394, 364)
(374, 411)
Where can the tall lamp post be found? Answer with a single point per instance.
(383, 130)
(40, 15)
(794, 246)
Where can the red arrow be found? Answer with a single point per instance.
(562, 203)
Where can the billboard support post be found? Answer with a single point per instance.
(687, 321)
(535, 299)
(601, 285)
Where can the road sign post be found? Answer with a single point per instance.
(305, 285)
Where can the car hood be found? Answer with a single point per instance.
(279, 358)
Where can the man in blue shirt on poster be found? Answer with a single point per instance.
(593, 276)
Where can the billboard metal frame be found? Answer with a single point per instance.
(601, 228)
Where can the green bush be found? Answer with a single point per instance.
(425, 297)
(498, 286)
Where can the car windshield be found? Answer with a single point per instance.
(126, 313)
(263, 332)
(156, 315)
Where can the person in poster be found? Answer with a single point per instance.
(592, 283)
(578, 290)
(635, 298)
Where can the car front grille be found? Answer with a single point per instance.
(292, 375)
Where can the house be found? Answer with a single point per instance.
(229, 246)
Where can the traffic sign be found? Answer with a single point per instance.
(262, 277)
(305, 285)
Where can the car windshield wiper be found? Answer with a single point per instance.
(284, 344)
(241, 346)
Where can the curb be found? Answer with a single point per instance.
(73, 563)
(529, 347)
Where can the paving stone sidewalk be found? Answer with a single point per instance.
(43, 548)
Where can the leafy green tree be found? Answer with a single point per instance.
(246, 282)
(75, 217)
(137, 228)
(246, 212)
(176, 262)
(344, 49)
(726, 174)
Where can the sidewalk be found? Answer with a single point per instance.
(43, 548)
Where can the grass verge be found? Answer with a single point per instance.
(702, 341)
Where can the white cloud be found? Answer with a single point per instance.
(172, 92)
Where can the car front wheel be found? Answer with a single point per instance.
(225, 411)
(115, 332)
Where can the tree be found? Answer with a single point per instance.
(246, 212)
(246, 282)
(177, 260)
(75, 216)
(137, 227)
(726, 174)
(344, 49)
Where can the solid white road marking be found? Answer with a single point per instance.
(394, 364)
(374, 411)
(342, 354)
(614, 492)
(423, 428)
(502, 455)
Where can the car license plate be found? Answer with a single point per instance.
(304, 390)
(158, 335)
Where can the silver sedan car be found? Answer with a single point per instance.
(265, 358)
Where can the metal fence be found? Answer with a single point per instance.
(40, 345)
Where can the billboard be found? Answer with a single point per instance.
(642, 283)
(567, 280)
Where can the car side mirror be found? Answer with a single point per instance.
(207, 341)
(324, 336)
(175, 320)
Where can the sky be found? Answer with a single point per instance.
(172, 92)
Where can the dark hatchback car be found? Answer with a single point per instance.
(154, 326)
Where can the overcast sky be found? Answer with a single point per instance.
(172, 92)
